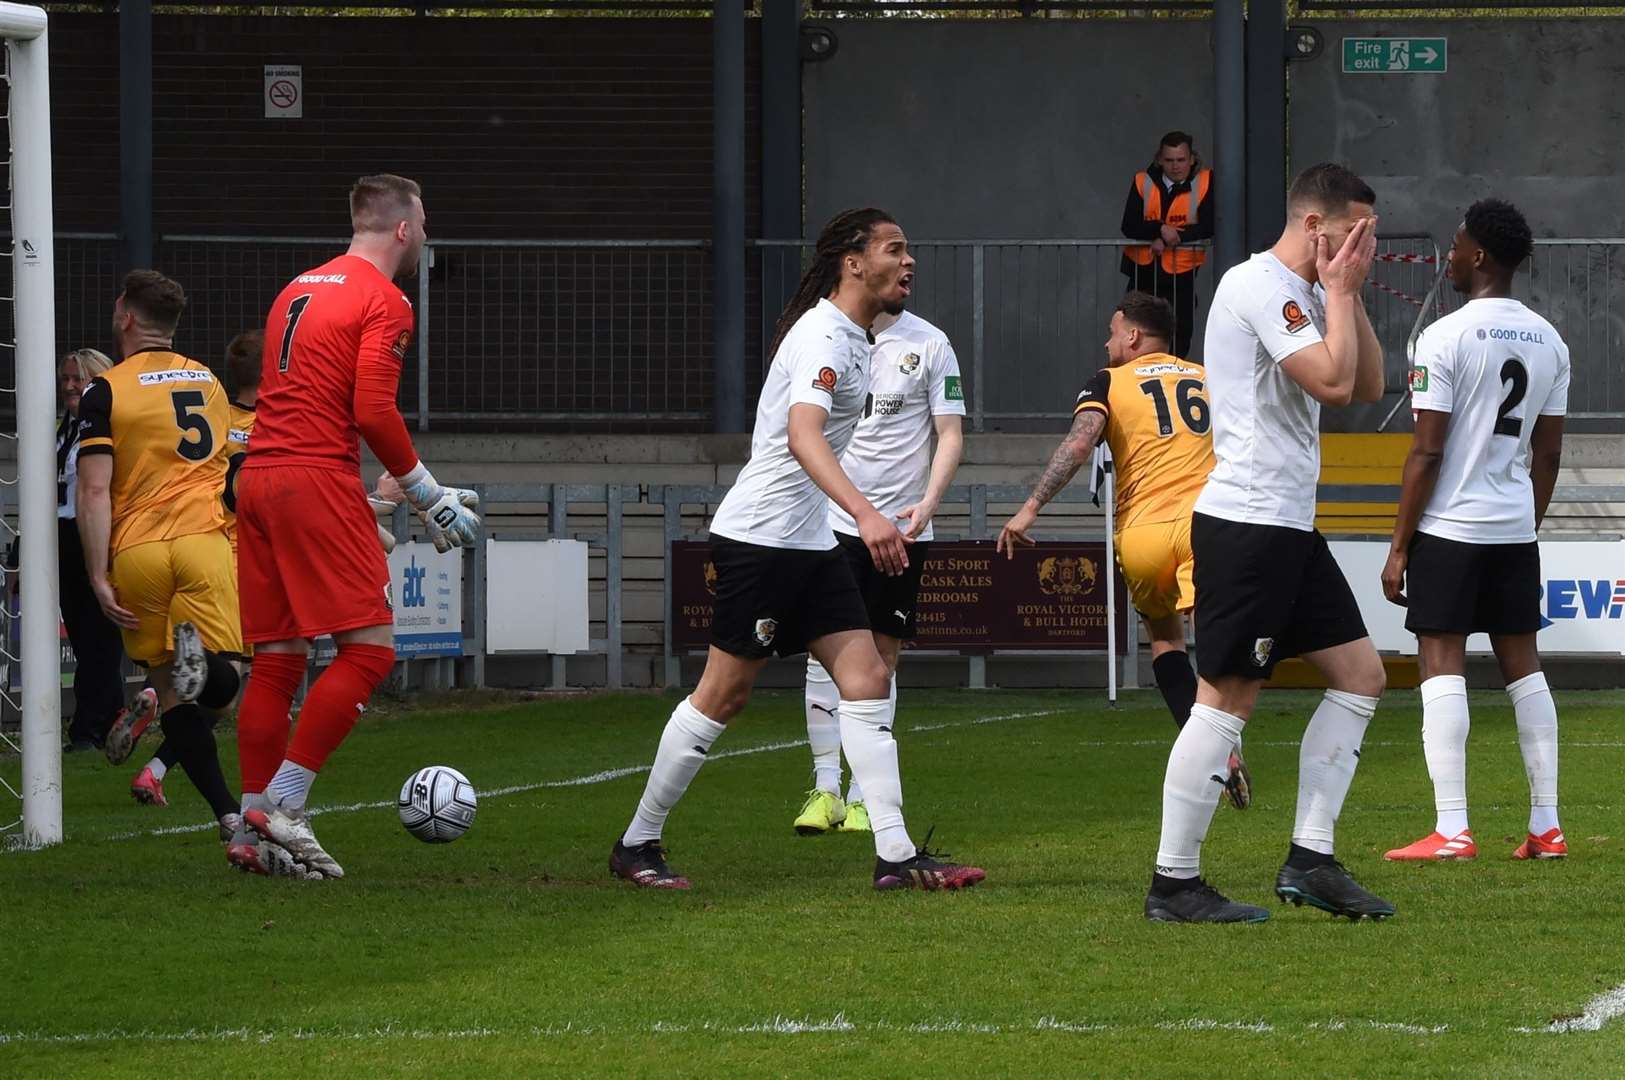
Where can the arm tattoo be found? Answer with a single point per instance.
(1070, 455)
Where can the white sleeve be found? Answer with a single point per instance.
(947, 389)
(1281, 324)
(1433, 372)
(815, 370)
(1557, 402)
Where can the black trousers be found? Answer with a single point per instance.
(98, 681)
(1178, 289)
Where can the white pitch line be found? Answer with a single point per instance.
(601, 777)
(839, 1024)
(1606, 1006)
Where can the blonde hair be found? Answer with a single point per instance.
(92, 362)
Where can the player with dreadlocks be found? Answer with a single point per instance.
(783, 585)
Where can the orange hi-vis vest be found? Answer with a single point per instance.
(1181, 212)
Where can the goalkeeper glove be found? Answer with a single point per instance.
(448, 512)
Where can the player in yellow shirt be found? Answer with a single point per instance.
(1152, 409)
(244, 357)
(152, 467)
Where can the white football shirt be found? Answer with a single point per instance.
(1266, 428)
(914, 376)
(823, 361)
(1493, 366)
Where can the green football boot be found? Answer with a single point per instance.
(857, 818)
(821, 813)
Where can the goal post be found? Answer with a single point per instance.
(28, 116)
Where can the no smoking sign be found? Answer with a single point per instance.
(284, 91)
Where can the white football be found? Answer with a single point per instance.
(437, 804)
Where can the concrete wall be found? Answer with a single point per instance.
(1528, 110)
(1003, 129)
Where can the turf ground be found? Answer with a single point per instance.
(130, 953)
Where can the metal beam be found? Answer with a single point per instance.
(781, 158)
(135, 133)
(728, 210)
(1266, 122)
(1229, 135)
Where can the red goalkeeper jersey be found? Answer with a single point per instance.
(334, 342)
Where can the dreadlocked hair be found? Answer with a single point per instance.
(847, 232)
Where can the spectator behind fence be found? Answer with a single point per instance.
(98, 678)
(1169, 208)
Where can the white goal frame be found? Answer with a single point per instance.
(34, 299)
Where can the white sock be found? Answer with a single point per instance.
(157, 768)
(683, 745)
(1537, 737)
(1200, 758)
(1326, 762)
(256, 801)
(823, 705)
(854, 790)
(1445, 725)
(871, 751)
(290, 787)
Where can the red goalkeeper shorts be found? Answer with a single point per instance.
(308, 558)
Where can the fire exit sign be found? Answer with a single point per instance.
(1394, 56)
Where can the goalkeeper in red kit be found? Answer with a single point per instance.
(309, 561)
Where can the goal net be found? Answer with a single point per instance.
(31, 713)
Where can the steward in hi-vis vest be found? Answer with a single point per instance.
(1169, 212)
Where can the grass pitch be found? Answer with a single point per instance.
(130, 951)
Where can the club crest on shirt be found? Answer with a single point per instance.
(1261, 650)
(825, 380)
(909, 364)
(1294, 317)
(402, 340)
(1063, 575)
(766, 628)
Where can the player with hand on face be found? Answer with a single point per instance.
(1288, 333)
(1490, 388)
(782, 583)
(310, 561)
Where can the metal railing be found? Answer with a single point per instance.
(1578, 285)
(596, 335)
(604, 515)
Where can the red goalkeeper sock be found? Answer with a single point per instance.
(262, 720)
(336, 701)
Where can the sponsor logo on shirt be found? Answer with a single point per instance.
(1293, 316)
(953, 389)
(238, 436)
(154, 378)
(825, 380)
(320, 279)
(909, 364)
(887, 404)
(402, 340)
(1419, 379)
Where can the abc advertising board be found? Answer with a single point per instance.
(1582, 597)
(426, 593)
(972, 599)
